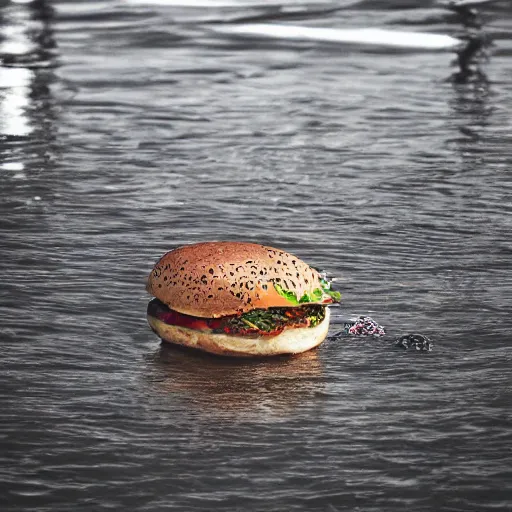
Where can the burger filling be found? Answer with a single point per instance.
(260, 322)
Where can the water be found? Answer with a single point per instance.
(129, 129)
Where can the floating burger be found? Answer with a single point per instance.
(238, 299)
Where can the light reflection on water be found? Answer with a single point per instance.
(15, 82)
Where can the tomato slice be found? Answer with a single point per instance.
(190, 322)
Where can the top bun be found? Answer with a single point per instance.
(215, 279)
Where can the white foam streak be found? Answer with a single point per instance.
(214, 3)
(364, 36)
(187, 3)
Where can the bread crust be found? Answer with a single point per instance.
(290, 341)
(215, 279)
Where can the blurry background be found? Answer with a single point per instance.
(128, 128)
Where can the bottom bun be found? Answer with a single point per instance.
(290, 341)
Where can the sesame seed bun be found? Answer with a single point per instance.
(290, 341)
(216, 279)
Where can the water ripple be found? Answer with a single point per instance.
(140, 129)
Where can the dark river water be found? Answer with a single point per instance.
(129, 128)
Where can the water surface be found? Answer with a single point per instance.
(127, 129)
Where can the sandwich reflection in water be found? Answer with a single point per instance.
(237, 389)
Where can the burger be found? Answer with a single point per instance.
(238, 299)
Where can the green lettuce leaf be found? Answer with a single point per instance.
(326, 287)
(315, 296)
(287, 294)
(335, 296)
